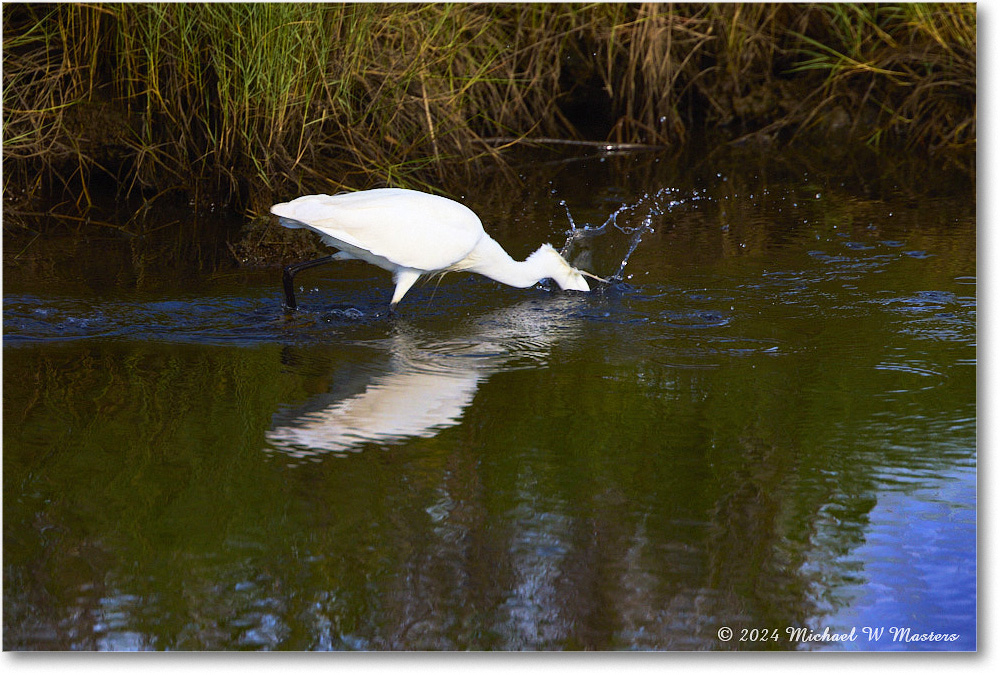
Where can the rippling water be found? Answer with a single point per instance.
(766, 423)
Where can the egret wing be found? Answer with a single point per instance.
(408, 228)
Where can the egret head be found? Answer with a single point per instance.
(553, 266)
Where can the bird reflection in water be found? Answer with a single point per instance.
(426, 385)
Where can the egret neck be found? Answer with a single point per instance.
(489, 259)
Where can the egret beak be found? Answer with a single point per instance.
(594, 276)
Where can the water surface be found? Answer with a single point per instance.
(766, 423)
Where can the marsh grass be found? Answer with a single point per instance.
(240, 103)
(912, 67)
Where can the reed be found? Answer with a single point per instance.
(238, 103)
(911, 68)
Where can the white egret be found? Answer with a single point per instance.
(411, 234)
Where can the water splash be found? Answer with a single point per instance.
(646, 209)
(637, 233)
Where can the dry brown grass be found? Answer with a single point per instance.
(238, 103)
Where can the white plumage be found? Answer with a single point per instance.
(411, 234)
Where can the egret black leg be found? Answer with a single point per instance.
(289, 274)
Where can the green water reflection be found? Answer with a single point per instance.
(773, 428)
